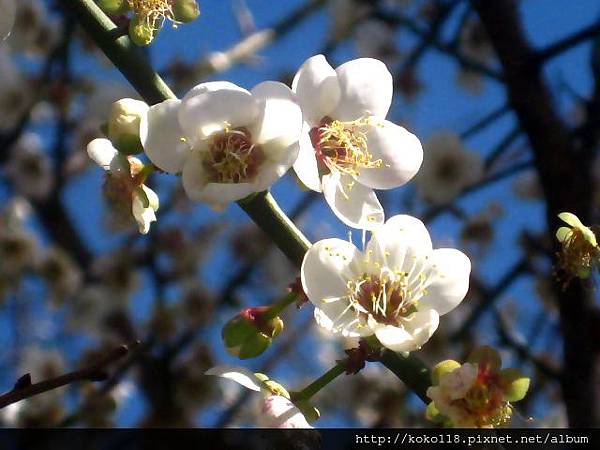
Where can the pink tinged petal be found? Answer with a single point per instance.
(449, 283)
(305, 165)
(282, 413)
(400, 242)
(238, 374)
(316, 85)
(280, 117)
(213, 111)
(367, 87)
(163, 138)
(399, 150)
(354, 204)
(457, 383)
(102, 152)
(414, 332)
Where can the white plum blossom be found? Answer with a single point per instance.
(128, 197)
(226, 142)
(7, 18)
(347, 148)
(277, 410)
(448, 168)
(396, 289)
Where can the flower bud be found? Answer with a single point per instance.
(185, 11)
(124, 125)
(141, 31)
(113, 6)
(251, 332)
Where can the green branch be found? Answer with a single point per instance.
(262, 207)
(320, 383)
(123, 53)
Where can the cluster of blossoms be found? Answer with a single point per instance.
(228, 143)
(148, 16)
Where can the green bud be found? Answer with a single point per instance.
(486, 357)
(514, 384)
(141, 32)
(442, 368)
(113, 6)
(432, 414)
(185, 11)
(123, 126)
(249, 334)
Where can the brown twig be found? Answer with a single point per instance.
(96, 372)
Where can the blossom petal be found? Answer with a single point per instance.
(316, 85)
(414, 332)
(279, 412)
(399, 242)
(450, 283)
(305, 165)
(571, 219)
(102, 152)
(354, 204)
(210, 86)
(400, 152)
(280, 116)
(161, 136)
(238, 374)
(212, 111)
(340, 318)
(279, 158)
(144, 216)
(326, 268)
(367, 87)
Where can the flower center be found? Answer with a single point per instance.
(153, 12)
(386, 299)
(485, 402)
(342, 146)
(232, 157)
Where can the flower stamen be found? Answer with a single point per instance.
(342, 146)
(232, 157)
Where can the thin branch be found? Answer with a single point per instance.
(568, 43)
(96, 372)
(486, 121)
(522, 349)
(448, 48)
(435, 211)
(489, 296)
